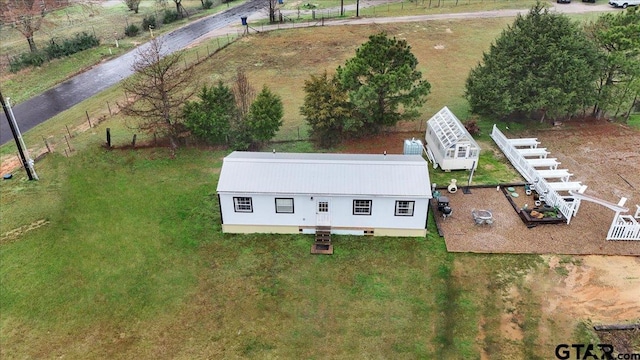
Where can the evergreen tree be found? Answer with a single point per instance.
(541, 64)
(210, 119)
(382, 83)
(265, 116)
(326, 109)
(618, 38)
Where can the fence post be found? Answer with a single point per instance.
(109, 138)
(88, 119)
(133, 142)
(46, 144)
(109, 107)
(68, 144)
(68, 132)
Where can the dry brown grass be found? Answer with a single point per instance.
(283, 60)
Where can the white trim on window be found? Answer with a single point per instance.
(284, 205)
(404, 207)
(362, 207)
(243, 204)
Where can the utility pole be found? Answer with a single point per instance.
(18, 138)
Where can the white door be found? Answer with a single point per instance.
(323, 213)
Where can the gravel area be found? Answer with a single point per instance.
(602, 155)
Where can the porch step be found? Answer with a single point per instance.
(323, 235)
(322, 244)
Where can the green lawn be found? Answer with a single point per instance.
(634, 120)
(132, 264)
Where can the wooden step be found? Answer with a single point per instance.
(323, 234)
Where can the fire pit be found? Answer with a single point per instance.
(482, 217)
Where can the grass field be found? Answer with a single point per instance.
(634, 120)
(131, 263)
(283, 60)
(140, 269)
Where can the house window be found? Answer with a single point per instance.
(404, 208)
(284, 205)
(361, 207)
(242, 204)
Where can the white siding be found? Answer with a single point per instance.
(340, 208)
(337, 178)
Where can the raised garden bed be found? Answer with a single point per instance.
(529, 216)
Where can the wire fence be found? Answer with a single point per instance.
(66, 140)
(108, 26)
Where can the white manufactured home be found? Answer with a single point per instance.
(291, 193)
(449, 144)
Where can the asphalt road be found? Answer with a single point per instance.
(54, 101)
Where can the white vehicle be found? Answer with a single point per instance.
(624, 3)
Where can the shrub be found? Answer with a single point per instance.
(27, 59)
(149, 21)
(68, 47)
(207, 4)
(55, 49)
(131, 30)
(170, 16)
(472, 127)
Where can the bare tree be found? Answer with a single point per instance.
(133, 5)
(244, 94)
(274, 9)
(27, 16)
(158, 91)
(179, 8)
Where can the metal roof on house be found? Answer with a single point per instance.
(448, 129)
(325, 174)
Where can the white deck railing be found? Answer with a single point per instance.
(625, 227)
(529, 173)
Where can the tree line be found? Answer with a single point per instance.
(543, 66)
(547, 66)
